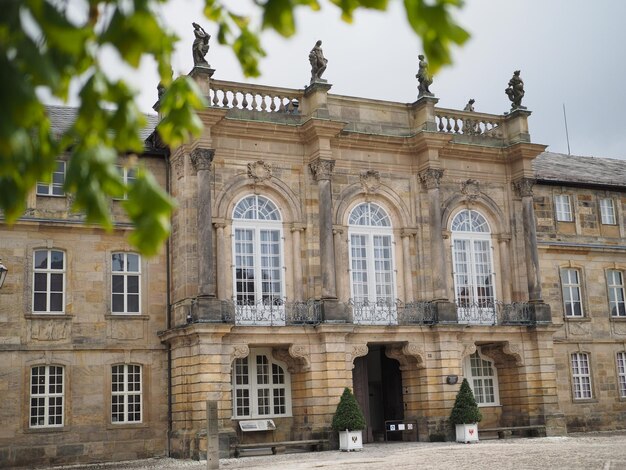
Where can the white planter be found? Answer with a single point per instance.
(467, 433)
(350, 440)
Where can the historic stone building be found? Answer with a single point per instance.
(320, 242)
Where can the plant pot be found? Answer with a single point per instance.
(467, 433)
(350, 440)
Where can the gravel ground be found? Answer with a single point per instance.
(605, 451)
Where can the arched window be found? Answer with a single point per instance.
(482, 376)
(261, 386)
(258, 260)
(473, 267)
(371, 264)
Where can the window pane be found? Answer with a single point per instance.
(56, 261)
(41, 259)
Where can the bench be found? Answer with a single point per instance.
(279, 447)
(507, 431)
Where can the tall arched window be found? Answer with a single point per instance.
(371, 264)
(473, 267)
(258, 259)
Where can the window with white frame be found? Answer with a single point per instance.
(473, 265)
(581, 376)
(563, 208)
(615, 284)
(572, 300)
(46, 396)
(57, 180)
(621, 373)
(371, 255)
(129, 176)
(126, 406)
(48, 281)
(258, 252)
(482, 376)
(125, 283)
(607, 211)
(261, 386)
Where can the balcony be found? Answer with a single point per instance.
(494, 313)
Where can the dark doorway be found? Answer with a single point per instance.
(377, 382)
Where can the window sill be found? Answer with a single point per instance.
(48, 316)
(46, 430)
(53, 195)
(618, 319)
(125, 316)
(490, 405)
(577, 319)
(583, 401)
(248, 418)
(113, 426)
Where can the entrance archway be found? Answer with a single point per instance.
(377, 383)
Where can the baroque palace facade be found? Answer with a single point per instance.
(320, 242)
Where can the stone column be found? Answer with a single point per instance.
(322, 171)
(431, 179)
(221, 249)
(206, 307)
(340, 264)
(505, 266)
(524, 189)
(298, 288)
(406, 236)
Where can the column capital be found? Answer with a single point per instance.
(219, 223)
(297, 227)
(504, 237)
(201, 158)
(322, 169)
(524, 186)
(431, 177)
(338, 229)
(408, 232)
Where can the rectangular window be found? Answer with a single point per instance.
(126, 393)
(615, 284)
(55, 186)
(621, 373)
(563, 208)
(46, 396)
(570, 282)
(607, 211)
(581, 376)
(125, 283)
(482, 379)
(129, 175)
(48, 281)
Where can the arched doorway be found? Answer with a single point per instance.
(377, 383)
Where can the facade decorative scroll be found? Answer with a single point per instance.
(416, 351)
(283, 355)
(370, 180)
(259, 171)
(302, 353)
(239, 351)
(202, 158)
(467, 349)
(503, 353)
(471, 189)
(407, 354)
(515, 350)
(431, 178)
(322, 169)
(524, 186)
(358, 350)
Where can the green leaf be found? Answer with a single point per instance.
(278, 15)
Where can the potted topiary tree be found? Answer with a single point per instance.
(349, 422)
(465, 414)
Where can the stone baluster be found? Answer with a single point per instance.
(524, 189)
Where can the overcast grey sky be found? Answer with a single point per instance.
(569, 52)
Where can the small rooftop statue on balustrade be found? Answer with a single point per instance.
(424, 78)
(200, 46)
(318, 63)
(515, 91)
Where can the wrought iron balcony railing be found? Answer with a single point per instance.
(388, 312)
(493, 312)
(272, 312)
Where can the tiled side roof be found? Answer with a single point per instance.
(574, 169)
(61, 117)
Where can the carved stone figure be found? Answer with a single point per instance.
(515, 90)
(424, 78)
(318, 62)
(200, 45)
(470, 127)
(470, 105)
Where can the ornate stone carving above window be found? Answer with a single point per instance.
(259, 171)
(370, 180)
(471, 189)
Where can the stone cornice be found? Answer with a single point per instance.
(320, 129)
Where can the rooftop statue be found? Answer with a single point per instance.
(515, 91)
(200, 46)
(424, 78)
(470, 105)
(318, 62)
